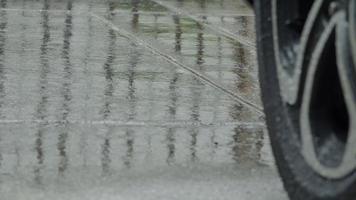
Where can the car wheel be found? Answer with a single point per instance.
(306, 52)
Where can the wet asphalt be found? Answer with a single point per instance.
(129, 99)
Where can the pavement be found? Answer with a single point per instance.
(129, 99)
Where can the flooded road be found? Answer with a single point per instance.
(129, 99)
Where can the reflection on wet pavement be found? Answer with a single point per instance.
(128, 99)
(196, 47)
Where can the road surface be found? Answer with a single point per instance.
(131, 99)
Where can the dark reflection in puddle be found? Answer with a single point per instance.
(246, 145)
(42, 107)
(172, 109)
(135, 15)
(134, 58)
(202, 4)
(3, 35)
(196, 94)
(66, 92)
(108, 97)
(200, 46)
(178, 34)
(173, 96)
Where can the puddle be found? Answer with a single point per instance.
(88, 113)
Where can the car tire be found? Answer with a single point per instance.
(302, 179)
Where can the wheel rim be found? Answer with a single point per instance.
(315, 48)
